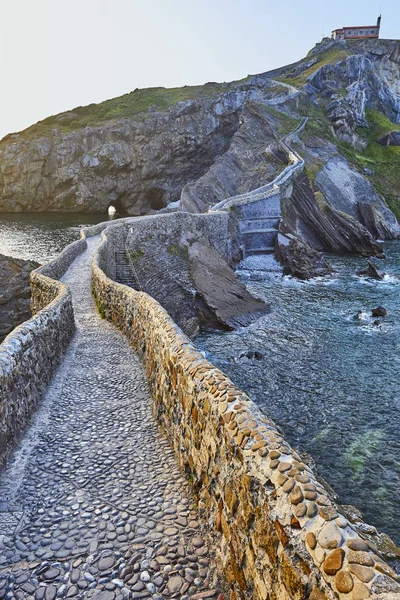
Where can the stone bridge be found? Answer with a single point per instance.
(144, 472)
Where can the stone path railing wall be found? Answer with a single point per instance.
(32, 351)
(277, 532)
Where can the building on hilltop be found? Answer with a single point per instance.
(358, 33)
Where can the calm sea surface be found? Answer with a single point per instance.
(330, 382)
(41, 236)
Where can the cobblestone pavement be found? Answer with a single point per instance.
(93, 504)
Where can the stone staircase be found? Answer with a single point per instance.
(258, 225)
(123, 269)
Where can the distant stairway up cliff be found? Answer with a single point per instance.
(258, 225)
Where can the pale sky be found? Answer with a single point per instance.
(56, 55)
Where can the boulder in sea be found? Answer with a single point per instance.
(372, 272)
(379, 311)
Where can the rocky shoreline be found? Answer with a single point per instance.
(15, 292)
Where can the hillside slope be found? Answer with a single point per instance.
(144, 150)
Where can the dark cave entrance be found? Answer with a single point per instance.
(156, 198)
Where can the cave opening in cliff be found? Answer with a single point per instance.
(116, 208)
(156, 198)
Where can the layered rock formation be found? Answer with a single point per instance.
(151, 148)
(15, 292)
(183, 262)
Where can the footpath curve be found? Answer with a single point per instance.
(93, 504)
(273, 187)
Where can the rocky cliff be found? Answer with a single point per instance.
(150, 148)
(15, 292)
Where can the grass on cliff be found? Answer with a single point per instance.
(383, 160)
(331, 56)
(134, 103)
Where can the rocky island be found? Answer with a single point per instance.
(296, 162)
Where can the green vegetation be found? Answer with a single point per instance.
(134, 103)
(285, 123)
(176, 250)
(331, 56)
(359, 452)
(384, 161)
(136, 254)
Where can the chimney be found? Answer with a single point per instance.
(378, 23)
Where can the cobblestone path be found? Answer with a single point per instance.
(93, 504)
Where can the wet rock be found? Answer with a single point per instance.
(371, 272)
(250, 354)
(221, 299)
(379, 311)
(299, 259)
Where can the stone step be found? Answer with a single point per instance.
(260, 230)
(265, 250)
(258, 223)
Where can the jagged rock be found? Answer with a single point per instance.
(15, 292)
(299, 259)
(222, 300)
(347, 191)
(372, 272)
(181, 260)
(379, 311)
(254, 156)
(322, 226)
(390, 139)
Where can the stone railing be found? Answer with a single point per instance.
(296, 164)
(277, 533)
(32, 351)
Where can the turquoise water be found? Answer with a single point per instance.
(330, 382)
(41, 236)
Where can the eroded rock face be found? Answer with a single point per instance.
(309, 216)
(370, 78)
(243, 167)
(138, 164)
(15, 292)
(182, 261)
(299, 259)
(221, 299)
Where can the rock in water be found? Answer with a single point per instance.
(371, 272)
(222, 300)
(299, 259)
(379, 311)
(15, 292)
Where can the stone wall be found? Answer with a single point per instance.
(277, 533)
(159, 248)
(32, 351)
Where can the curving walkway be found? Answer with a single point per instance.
(93, 504)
